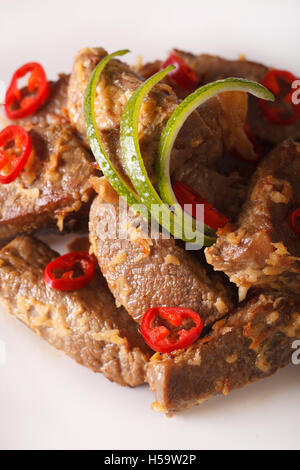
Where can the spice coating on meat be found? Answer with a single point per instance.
(54, 183)
(253, 343)
(144, 271)
(210, 68)
(85, 324)
(203, 137)
(54, 110)
(117, 83)
(225, 193)
(263, 250)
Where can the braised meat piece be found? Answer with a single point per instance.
(221, 178)
(226, 193)
(143, 270)
(85, 324)
(55, 107)
(263, 250)
(210, 68)
(116, 85)
(205, 137)
(53, 188)
(253, 343)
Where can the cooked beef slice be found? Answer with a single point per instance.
(55, 107)
(53, 186)
(262, 249)
(85, 324)
(228, 194)
(203, 137)
(117, 83)
(221, 178)
(253, 343)
(144, 271)
(210, 68)
(146, 70)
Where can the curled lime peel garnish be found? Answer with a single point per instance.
(180, 115)
(110, 172)
(180, 224)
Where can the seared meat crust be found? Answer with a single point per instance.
(85, 324)
(54, 183)
(143, 271)
(117, 83)
(262, 250)
(253, 343)
(206, 135)
(228, 193)
(241, 344)
(210, 68)
(54, 109)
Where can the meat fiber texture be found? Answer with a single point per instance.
(262, 250)
(251, 344)
(143, 269)
(210, 68)
(85, 324)
(53, 188)
(208, 133)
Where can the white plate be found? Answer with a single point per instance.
(48, 401)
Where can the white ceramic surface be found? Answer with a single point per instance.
(46, 400)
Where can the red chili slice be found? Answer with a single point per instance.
(271, 112)
(61, 272)
(160, 339)
(295, 221)
(185, 195)
(16, 147)
(183, 75)
(22, 103)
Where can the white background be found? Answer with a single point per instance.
(46, 400)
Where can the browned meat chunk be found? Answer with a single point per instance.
(225, 116)
(85, 324)
(116, 85)
(54, 109)
(146, 70)
(143, 272)
(252, 344)
(210, 68)
(54, 184)
(228, 193)
(263, 250)
(220, 178)
(204, 137)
